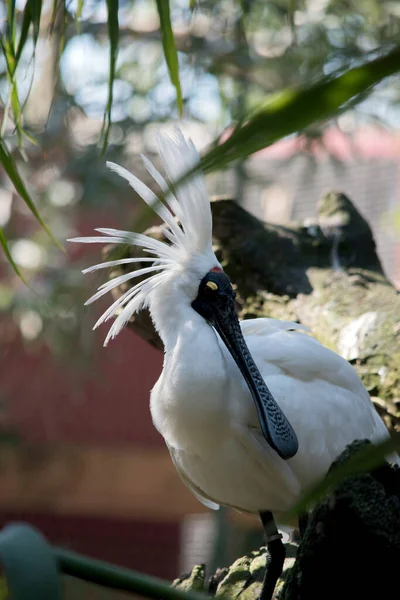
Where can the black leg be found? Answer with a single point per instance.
(303, 521)
(275, 558)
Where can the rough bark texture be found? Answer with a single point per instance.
(351, 548)
(241, 580)
(325, 275)
(285, 272)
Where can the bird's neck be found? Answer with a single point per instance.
(189, 395)
(190, 343)
(175, 320)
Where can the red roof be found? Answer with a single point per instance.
(366, 142)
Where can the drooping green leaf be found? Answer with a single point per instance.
(3, 243)
(292, 110)
(113, 34)
(36, 12)
(7, 47)
(10, 20)
(366, 459)
(26, 23)
(16, 107)
(170, 53)
(12, 54)
(32, 15)
(10, 168)
(78, 14)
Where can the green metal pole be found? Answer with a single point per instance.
(102, 573)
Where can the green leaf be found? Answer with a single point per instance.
(104, 574)
(10, 20)
(10, 168)
(366, 459)
(35, 7)
(16, 107)
(32, 14)
(170, 53)
(26, 23)
(113, 34)
(78, 15)
(12, 54)
(11, 64)
(292, 110)
(59, 19)
(9, 257)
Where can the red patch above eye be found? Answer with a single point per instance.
(216, 270)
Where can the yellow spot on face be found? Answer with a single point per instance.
(213, 286)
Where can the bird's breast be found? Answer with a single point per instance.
(191, 399)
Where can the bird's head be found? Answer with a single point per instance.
(186, 256)
(215, 296)
(187, 263)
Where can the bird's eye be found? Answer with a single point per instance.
(210, 287)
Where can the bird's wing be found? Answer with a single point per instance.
(266, 326)
(287, 346)
(189, 484)
(318, 389)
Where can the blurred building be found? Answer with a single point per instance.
(91, 471)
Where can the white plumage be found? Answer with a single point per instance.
(213, 432)
(201, 403)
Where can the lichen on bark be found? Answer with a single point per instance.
(325, 275)
(243, 579)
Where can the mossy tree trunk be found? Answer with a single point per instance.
(350, 550)
(325, 275)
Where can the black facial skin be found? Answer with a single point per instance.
(217, 306)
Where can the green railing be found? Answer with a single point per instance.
(32, 569)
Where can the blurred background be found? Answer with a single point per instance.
(79, 456)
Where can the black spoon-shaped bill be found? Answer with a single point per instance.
(215, 302)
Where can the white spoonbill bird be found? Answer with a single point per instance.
(252, 412)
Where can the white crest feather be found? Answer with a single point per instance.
(193, 236)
